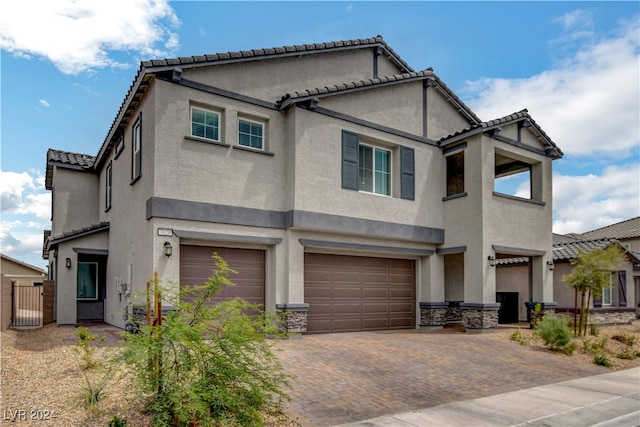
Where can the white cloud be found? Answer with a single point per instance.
(80, 33)
(44, 103)
(589, 104)
(24, 193)
(583, 203)
(576, 18)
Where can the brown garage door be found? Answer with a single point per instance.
(196, 265)
(351, 293)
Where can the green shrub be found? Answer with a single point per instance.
(594, 329)
(626, 354)
(600, 344)
(86, 347)
(116, 421)
(601, 359)
(209, 363)
(555, 332)
(568, 348)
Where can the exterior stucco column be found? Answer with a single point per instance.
(433, 309)
(479, 309)
(290, 288)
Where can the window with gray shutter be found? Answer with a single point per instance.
(350, 154)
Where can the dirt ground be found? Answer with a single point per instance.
(41, 381)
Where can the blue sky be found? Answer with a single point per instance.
(66, 66)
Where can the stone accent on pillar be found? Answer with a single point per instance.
(294, 318)
(547, 308)
(479, 317)
(433, 314)
(454, 312)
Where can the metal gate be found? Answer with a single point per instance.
(26, 305)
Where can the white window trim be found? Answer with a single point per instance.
(610, 290)
(373, 169)
(207, 110)
(136, 150)
(264, 133)
(108, 186)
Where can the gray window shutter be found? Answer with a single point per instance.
(622, 288)
(407, 178)
(350, 142)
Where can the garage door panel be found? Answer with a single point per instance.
(347, 309)
(375, 308)
(340, 292)
(375, 324)
(196, 266)
(357, 293)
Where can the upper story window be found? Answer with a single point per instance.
(136, 150)
(374, 170)
(108, 181)
(251, 134)
(369, 168)
(205, 124)
(455, 173)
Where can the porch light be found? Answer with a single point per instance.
(168, 249)
(492, 261)
(550, 265)
(67, 262)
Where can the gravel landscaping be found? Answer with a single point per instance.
(41, 382)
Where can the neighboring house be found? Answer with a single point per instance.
(18, 273)
(623, 296)
(348, 190)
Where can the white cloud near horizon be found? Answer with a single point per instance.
(589, 104)
(92, 29)
(24, 194)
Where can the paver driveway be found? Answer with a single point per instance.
(348, 377)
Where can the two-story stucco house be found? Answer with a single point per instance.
(347, 189)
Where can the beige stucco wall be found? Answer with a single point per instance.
(11, 268)
(74, 200)
(271, 79)
(515, 279)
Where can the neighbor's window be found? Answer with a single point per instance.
(108, 180)
(205, 124)
(374, 170)
(87, 280)
(136, 151)
(455, 173)
(250, 134)
(606, 291)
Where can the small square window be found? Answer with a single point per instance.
(250, 134)
(205, 124)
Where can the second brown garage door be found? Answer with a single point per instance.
(352, 293)
(196, 265)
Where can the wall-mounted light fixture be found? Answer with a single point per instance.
(67, 262)
(168, 249)
(550, 265)
(492, 261)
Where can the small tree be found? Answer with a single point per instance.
(208, 363)
(589, 276)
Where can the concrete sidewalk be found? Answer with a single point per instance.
(605, 400)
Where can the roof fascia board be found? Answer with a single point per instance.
(82, 233)
(518, 144)
(372, 125)
(222, 92)
(451, 97)
(69, 166)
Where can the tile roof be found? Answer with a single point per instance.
(66, 159)
(78, 232)
(570, 250)
(353, 85)
(511, 118)
(564, 238)
(622, 230)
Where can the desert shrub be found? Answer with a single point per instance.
(625, 337)
(568, 348)
(600, 344)
(627, 354)
(96, 373)
(206, 362)
(116, 421)
(601, 359)
(517, 336)
(86, 347)
(555, 332)
(594, 329)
